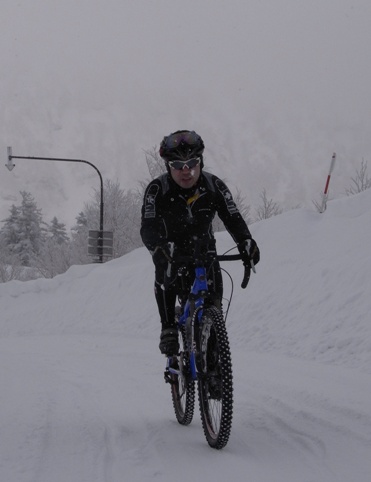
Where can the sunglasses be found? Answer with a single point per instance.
(174, 140)
(179, 165)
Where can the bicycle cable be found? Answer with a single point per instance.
(229, 301)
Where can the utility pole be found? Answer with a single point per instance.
(10, 166)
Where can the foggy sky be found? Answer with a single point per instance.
(274, 87)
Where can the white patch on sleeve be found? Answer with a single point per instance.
(228, 198)
(150, 202)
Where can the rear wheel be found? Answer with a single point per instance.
(182, 384)
(215, 384)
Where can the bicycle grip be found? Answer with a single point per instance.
(246, 277)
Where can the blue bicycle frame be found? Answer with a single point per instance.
(193, 308)
(198, 291)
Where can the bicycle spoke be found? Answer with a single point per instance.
(182, 386)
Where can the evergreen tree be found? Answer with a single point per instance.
(57, 231)
(10, 264)
(9, 233)
(79, 241)
(23, 232)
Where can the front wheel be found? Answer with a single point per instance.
(215, 379)
(182, 384)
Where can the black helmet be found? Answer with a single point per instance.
(182, 145)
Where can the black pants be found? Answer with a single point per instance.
(166, 299)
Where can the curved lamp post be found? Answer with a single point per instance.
(10, 166)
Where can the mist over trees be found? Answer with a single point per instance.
(122, 210)
(30, 247)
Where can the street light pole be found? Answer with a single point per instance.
(10, 166)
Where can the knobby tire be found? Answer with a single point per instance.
(182, 386)
(215, 383)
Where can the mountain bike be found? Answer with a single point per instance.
(204, 353)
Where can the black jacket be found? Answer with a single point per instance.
(171, 213)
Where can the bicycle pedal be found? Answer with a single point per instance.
(168, 378)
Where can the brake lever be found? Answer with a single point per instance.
(252, 265)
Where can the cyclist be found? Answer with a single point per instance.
(179, 205)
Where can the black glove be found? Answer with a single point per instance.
(161, 256)
(249, 251)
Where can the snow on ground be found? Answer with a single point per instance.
(82, 393)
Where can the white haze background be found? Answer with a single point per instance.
(82, 392)
(274, 87)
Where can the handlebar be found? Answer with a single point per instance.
(210, 257)
(247, 268)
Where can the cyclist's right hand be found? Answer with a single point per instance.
(161, 256)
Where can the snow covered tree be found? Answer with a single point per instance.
(121, 216)
(55, 258)
(10, 266)
(79, 241)
(155, 163)
(32, 230)
(156, 167)
(9, 234)
(24, 231)
(55, 255)
(10, 263)
(57, 231)
(81, 222)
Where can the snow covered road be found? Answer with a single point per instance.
(82, 395)
(96, 409)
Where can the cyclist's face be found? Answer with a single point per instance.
(186, 178)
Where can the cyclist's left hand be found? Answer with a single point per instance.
(249, 251)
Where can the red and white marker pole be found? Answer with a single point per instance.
(325, 192)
